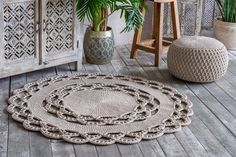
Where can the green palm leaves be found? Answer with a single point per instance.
(98, 11)
(227, 10)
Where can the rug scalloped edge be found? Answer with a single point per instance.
(102, 139)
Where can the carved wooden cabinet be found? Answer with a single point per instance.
(37, 34)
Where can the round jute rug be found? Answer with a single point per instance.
(100, 108)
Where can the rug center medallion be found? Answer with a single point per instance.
(99, 103)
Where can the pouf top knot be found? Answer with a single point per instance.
(198, 42)
(197, 59)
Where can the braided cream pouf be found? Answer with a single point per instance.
(197, 59)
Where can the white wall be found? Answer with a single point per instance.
(118, 25)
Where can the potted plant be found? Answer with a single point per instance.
(98, 39)
(225, 26)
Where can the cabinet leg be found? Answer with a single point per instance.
(78, 66)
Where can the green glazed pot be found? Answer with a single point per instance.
(98, 46)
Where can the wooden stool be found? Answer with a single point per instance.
(155, 45)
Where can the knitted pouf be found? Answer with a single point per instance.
(197, 59)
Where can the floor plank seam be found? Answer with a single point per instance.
(141, 150)
(217, 119)
(226, 92)
(219, 100)
(210, 108)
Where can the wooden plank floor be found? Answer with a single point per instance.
(211, 133)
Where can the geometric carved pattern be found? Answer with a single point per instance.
(194, 16)
(19, 34)
(190, 19)
(208, 13)
(188, 15)
(59, 26)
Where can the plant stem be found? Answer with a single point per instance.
(97, 16)
(104, 19)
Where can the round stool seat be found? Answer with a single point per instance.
(197, 59)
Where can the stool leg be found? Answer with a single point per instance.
(154, 22)
(175, 19)
(158, 15)
(137, 39)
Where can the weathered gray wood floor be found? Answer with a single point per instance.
(212, 132)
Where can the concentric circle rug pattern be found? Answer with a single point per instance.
(100, 108)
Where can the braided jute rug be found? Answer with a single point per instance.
(101, 109)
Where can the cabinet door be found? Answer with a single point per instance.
(58, 29)
(19, 35)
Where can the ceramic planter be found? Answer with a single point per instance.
(98, 46)
(226, 33)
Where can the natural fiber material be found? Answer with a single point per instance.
(197, 59)
(100, 108)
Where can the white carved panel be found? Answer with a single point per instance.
(59, 26)
(19, 30)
